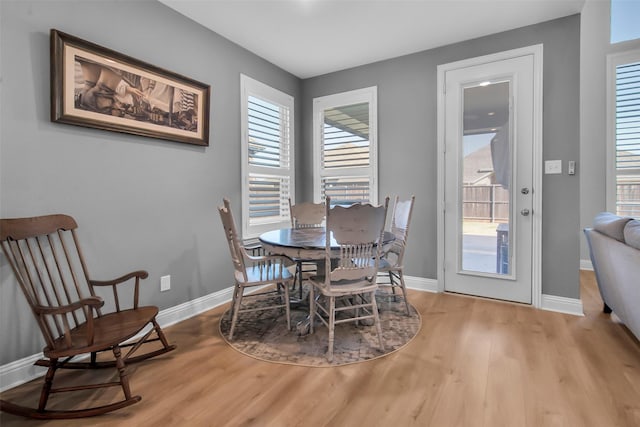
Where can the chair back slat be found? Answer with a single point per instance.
(400, 221)
(307, 215)
(233, 239)
(60, 300)
(357, 229)
(49, 271)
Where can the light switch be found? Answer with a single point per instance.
(553, 167)
(571, 169)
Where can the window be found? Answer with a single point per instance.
(623, 177)
(267, 157)
(624, 20)
(345, 147)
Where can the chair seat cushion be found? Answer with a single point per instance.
(266, 273)
(109, 330)
(342, 287)
(384, 265)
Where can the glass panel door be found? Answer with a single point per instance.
(486, 179)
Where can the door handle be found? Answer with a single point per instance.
(525, 190)
(525, 212)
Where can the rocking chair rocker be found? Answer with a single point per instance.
(49, 267)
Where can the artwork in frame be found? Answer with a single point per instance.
(96, 87)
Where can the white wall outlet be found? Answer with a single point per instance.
(165, 283)
(552, 167)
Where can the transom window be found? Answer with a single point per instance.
(345, 147)
(267, 157)
(624, 20)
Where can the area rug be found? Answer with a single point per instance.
(263, 335)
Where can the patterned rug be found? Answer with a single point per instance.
(263, 334)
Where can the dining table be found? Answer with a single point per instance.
(307, 244)
(304, 244)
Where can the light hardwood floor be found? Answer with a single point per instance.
(475, 362)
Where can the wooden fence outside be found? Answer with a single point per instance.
(488, 203)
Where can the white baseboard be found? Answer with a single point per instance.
(421, 284)
(562, 305)
(184, 311)
(585, 264)
(21, 371)
(549, 302)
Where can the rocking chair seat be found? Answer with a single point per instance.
(110, 329)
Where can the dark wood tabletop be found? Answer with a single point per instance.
(305, 243)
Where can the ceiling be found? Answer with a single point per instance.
(312, 37)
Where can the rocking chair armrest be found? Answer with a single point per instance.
(140, 274)
(95, 302)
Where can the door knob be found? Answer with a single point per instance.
(525, 212)
(525, 190)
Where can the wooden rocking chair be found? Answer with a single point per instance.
(45, 256)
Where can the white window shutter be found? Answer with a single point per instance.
(267, 153)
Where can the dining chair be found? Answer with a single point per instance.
(391, 263)
(305, 215)
(351, 276)
(254, 271)
(44, 254)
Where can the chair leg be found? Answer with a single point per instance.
(404, 292)
(236, 309)
(332, 326)
(299, 274)
(48, 382)
(286, 306)
(374, 308)
(393, 285)
(234, 296)
(124, 379)
(312, 308)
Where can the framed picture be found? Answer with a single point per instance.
(93, 86)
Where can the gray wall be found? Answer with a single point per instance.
(594, 48)
(407, 139)
(141, 203)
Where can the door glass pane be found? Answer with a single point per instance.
(486, 169)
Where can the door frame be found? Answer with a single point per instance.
(536, 249)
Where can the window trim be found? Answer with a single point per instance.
(320, 104)
(252, 87)
(613, 60)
